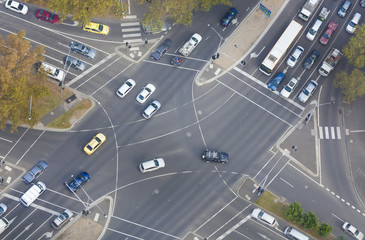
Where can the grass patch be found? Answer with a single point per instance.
(272, 203)
(50, 102)
(67, 119)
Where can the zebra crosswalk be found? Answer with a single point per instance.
(131, 31)
(330, 133)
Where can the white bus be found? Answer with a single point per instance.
(280, 47)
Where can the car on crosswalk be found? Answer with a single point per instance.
(82, 49)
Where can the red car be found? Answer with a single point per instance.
(47, 16)
(327, 35)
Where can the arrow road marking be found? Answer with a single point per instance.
(254, 55)
(25, 229)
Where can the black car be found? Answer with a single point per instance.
(161, 50)
(80, 180)
(310, 60)
(82, 49)
(215, 156)
(228, 17)
(35, 172)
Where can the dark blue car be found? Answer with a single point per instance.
(273, 85)
(228, 17)
(80, 180)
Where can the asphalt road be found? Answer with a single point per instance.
(235, 114)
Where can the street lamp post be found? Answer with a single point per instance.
(30, 109)
(317, 105)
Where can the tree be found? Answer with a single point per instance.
(295, 212)
(181, 11)
(354, 50)
(83, 11)
(309, 220)
(18, 80)
(352, 85)
(324, 229)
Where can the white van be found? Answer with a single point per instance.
(4, 224)
(312, 33)
(294, 234)
(53, 72)
(32, 194)
(350, 28)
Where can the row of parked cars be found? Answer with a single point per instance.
(54, 18)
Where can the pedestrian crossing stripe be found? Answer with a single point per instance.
(329, 132)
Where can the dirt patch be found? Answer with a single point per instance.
(83, 228)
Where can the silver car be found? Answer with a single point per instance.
(151, 109)
(75, 63)
(307, 91)
(83, 50)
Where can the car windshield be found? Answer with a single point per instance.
(305, 91)
(312, 31)
(20, 6)
(129, 84)
(98, 139)
(63, 217)
(292, 58)
(51, 16)
(287, 88)
(352, 24)
(100, 27)
(156, 163)
(56, 72)
(78, 63)
(89, 147)
(326, 36)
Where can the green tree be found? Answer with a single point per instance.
(324, 229)
(295, 212)
(309, 220)
(354, 50)
(352, 85)
(18, 80)
(83, 11)
(181, 11)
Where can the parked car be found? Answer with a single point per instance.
(311, 59)
(351, 26)
(35, 172)
(161, 50)
(96, 28)
(53, 72)
(79, 181)
(289, 88)
(94, 143)
(75, 63)
(151, 109)
(215, 156)
(351, 230)
(16, 6)
(343, 10)
(4, 224)
(145, 93)
(229, 16)
(47, 16)
(264, 217)
(275, 82)
(126, 88)
(307, 91)
(61, 219)
(151, 165)
(293, 59)
(327, 35)
(3, 208)
(82, 49)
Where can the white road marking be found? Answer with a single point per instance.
(129, 24)
(333, 133)
(326, 132)
(126, 234)
(30, 147)
(130, 29)
(286, 182)
(96, 218)
(338, 133)
(5, 140)
(320, 133)
(131, 35)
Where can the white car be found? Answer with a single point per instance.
(151, 109)
(289, 88)
(151, 165)
(16, 7)
(263, 217)
(352, 231)
(126, 88)
(293, 59)
(145, 93)
(307, 91)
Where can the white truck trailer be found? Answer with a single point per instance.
(330, 62)
(308, 9)
(189, 46)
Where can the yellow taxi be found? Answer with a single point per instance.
(94, 144)
(96, 28)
